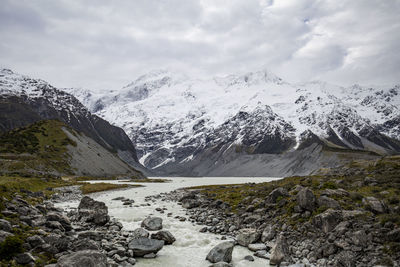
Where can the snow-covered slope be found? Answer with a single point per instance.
(24, 100)
(174, 118)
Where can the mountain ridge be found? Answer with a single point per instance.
(24, 100)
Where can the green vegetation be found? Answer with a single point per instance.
(379, 179)
(37, 148)
(99, 187)
(10, 247)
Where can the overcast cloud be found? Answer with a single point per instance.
(105, 44)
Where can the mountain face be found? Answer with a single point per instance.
(24, 100)
(50, 147)
(253, 123)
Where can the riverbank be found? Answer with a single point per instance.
(347, 217)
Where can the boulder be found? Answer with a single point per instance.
(257, 247)
(84, 244)
(249, 258)
(327, 220)
(247, 236)
(279, 251)
(345, 258)
(35, 241)
(306, 199)
(277, 193)
(90, 210)
(143, 246)
(24, 258)
(360, 238)
(62, 219)
(164, 235)
(394, 235)
(328, 202)
(152, 223)
(221, 252)
(89, 258)
(139, 232)
(191, 203)
(268, 233)
(5, 225)
(375, 205)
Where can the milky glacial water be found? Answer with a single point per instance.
(191, 246)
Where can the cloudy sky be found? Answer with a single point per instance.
(103, 44)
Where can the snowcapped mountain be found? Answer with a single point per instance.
(175, 120)
(24, 100)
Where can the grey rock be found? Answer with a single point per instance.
(249, 258)
(257, 247)
(24, 258)
(5, 225)
(345, 258)
(84, 244)
(150, 256)
(268, 233)
(247, 236)
(221, 264)
(152, 223)
(55, 225)
(306, 199)
(279, 251)
(190, 203)
(221, 252)
(90, 210)
(394, 235)
(262, 254)
(87, 258)
(35, 241)
(143, 246)
(360, 238)
(164, 235)
(324, 201)
(65, 222)
(375, 205)
(93, 235)
(327, 220)
(276, 193)
(139, 233)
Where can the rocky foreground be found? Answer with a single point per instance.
(36, 235)
(350, 217)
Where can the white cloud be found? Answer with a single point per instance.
(106, 44)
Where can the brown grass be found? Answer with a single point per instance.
(99, 187)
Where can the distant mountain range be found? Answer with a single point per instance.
(250, 124)
(24, 101)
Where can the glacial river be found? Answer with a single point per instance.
(191, 247)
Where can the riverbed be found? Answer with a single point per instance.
(191, 246)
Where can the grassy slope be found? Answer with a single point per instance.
(38, 148)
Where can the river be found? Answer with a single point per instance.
(191, 246)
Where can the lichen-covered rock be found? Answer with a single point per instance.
(324, 201)
(306, 199)
(90, 210)
(375, 205)
(327, 220)
(279, 251)
(268, 233)
(276, 193)
(247, 236)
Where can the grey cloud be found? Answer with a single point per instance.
(105, 44)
